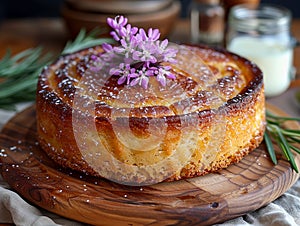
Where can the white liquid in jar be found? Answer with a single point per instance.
(273, 58)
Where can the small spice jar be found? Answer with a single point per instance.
(262, 34)
(207, 22)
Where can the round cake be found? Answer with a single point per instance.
(207, 116)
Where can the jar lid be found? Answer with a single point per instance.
(264, 19)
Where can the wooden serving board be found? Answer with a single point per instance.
(241, 188)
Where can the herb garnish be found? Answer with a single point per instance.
(19, 73)
(19, 76)
(285, 138)
(138, 56)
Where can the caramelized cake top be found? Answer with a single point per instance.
(205, 79)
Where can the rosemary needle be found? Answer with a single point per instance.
(270, 148)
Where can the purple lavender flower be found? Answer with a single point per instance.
(119, 21)
(142, 80)
(126, 48)
(130, 32)
(115, 35)
(125, 72)
(143, 76)
(145, 53)
(153, 35)
(107, 47)
(166, 53)
(108, 54)
(140, 54)
(94, 57)
(162, 46)
(141, 36)
(163, 73)
(169, 55)
(161, 79)
(118, 24)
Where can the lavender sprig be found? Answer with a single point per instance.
(138, 57)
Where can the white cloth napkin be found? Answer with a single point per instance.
(285, 211)
(13, 209)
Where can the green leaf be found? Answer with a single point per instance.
(280, 118)
(270, 148)
(84, 41)
(291, 132)
(295, 149)
(286, 149)
(293, 140)
(18, 86)
(25, 62)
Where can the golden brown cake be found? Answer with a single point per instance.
(205, 119)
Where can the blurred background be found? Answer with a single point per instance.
(51, 8)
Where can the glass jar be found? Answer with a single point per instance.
(207, 22)
(262, 34)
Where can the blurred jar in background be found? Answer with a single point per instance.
(262, 34)
(207, 22)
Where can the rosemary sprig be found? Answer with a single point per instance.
(83, 41)
(285, 138)
(19, 76)
(19, 73)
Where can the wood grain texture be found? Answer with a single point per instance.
(241, 188)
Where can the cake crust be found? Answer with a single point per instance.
(206, 128)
